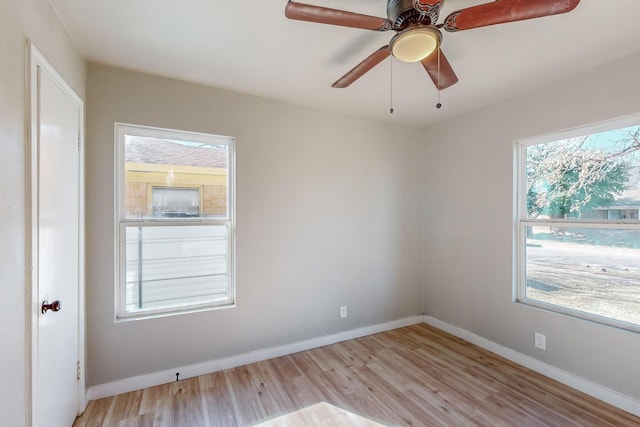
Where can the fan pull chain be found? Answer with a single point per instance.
(391, 88)
(438, 105)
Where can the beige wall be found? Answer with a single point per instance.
(469, 232)
(21, 20)
(328, 213)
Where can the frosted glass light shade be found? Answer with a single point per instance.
(415, 44)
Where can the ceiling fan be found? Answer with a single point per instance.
(418, 35)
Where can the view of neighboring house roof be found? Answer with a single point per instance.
(163, 151)
(629, 199)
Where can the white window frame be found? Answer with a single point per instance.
(228, 220)
(522, 222)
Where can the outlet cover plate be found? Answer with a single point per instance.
(540, 341)
(343, 311)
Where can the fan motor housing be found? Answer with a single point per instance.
(403, 14)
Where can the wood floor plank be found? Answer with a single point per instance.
(244, 391)
(95, 413)
(412, 376)
(303, 392)
(152, 396)
(219, 407)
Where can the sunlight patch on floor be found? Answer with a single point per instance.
(320, 414)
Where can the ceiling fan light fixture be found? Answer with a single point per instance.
(415, 44)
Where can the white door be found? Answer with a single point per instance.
(57, 258)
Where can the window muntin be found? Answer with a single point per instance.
(578, 228)
(175, 214)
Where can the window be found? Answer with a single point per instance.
(578, 229)
(175, 219)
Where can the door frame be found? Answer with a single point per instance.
(34, 61)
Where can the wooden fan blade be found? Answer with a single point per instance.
(447, 77)
(325, 15)
(501, 11)
(359, 70)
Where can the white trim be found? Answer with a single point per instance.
(82, 385)
(612, 397)
(35, 60)
(582, 130)
(149, 380)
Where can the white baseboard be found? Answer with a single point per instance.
(605, 394)
(149, 380)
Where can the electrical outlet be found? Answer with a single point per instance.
(343, 311)
(540, 341)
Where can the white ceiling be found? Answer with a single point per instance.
(250, 47)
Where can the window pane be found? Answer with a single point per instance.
(174, 266)
(593, 270)
(174, 178)
(592, 177)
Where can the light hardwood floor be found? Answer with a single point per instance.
(417, 376)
